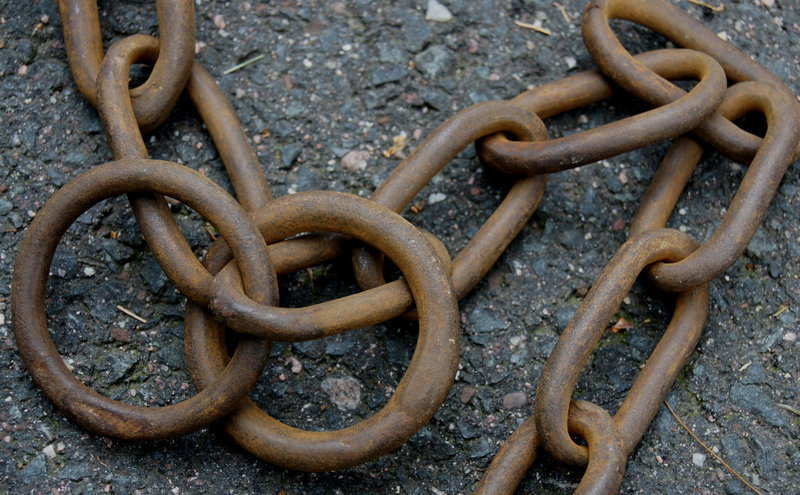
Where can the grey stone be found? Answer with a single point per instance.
(435, 62)
(344, 392)
(760, 245)
(36, 470)
(5, 206)
(416, 31)
(432, 442)
(388, 73)
(154, 275)
(117, 364)
(770, 456)
(435, 98)
(172, 354)
(482, 448)
(391, 54)
(754, 375)
(514, 400)
(289, 154)
(468, 431)
(338, 348)
(485, 320)
(752, 398)
(75, 472)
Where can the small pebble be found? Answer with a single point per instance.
(219, 21)
(89, 271)
(514, 400)
(467, 394)
(571, 62)
(698, 459)
(344, 392)
(437, 12)
(436, 198)
(768, 3)
(294, 364)
(2, 319)
(788, 336)
(355, 160)
(49, 451)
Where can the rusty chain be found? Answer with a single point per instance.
(235, 286)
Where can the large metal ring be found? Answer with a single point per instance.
(429, 376)
(92, 410)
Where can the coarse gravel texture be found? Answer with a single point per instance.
(337, 78)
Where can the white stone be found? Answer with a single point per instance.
(571, 62)
(89, 271)
(788, 336)
(436, 198)
(698, 459)
(355, 160)
(437, 12)
(49, 451)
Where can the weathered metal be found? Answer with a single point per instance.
(235, 286)
(429, 375)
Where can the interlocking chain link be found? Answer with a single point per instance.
(235, 286)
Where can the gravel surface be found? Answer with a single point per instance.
(336, 86)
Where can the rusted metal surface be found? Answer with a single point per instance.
(638, 131)
(664, 18)
(560, 373)
(606, 455)
(154, 99)
(92, 410)
(235, 286)
(427, 379)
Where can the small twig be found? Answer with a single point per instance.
(131, 314)
(534, 27)
(789, 408)
(564, 13)
(210, 232)
(781, 309)
(718, 458)
(243, 64)
(718, 8)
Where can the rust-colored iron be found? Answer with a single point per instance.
(561, 371)
(677, 26)
(638, 131)
(235, 286)
(430, 157)
(154, 99)
(93, 411)
(759, 185)
(606, 457)
(429, 375)
(380, 301)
